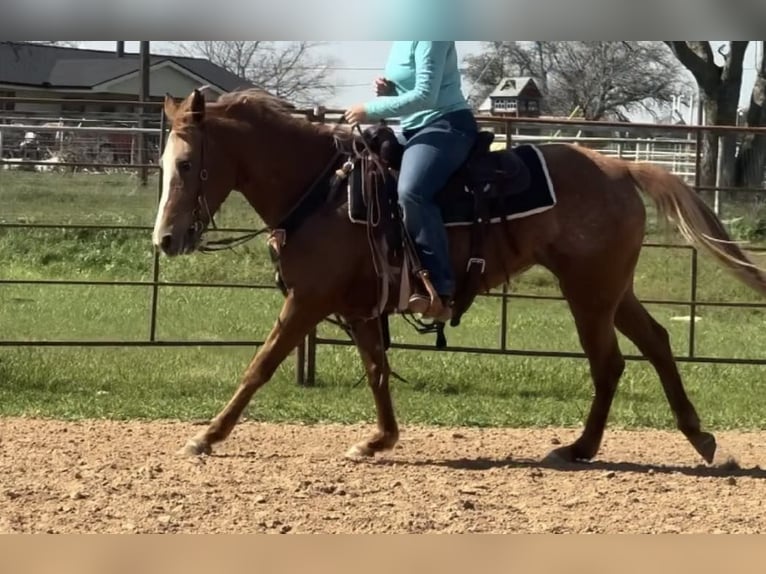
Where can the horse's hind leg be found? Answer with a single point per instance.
(651, 338)
(595, 327)
(369, 341)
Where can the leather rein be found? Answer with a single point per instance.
(201, 207)
(289, 222)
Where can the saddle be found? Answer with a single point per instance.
(490, 173)
(483, 181)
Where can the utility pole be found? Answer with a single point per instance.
(143, 96)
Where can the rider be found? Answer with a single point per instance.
(422, 87)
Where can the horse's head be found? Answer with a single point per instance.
(197, 176)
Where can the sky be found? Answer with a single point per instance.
(358, 63)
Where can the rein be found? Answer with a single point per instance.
(201, 206)
(294, 217)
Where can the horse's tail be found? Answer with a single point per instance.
(678, 203)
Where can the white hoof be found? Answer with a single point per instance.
(194, 447)
(555, 459)
(359, 451)
(724, 460)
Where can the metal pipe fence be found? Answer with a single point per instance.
(509, 131)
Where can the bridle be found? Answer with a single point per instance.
(202, 209)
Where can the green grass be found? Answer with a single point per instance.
(194, 382)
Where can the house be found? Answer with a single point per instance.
(29, 70)
(515, 96)
(66, 86)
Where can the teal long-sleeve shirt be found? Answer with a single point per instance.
(427, 82)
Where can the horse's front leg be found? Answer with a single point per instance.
(369, 341)
(295, 320)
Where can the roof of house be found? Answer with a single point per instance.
(28, 64)
(509, 87)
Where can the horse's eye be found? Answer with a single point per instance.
(184, 166)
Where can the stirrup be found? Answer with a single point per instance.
(421, 304)
(441, 312)
(418, 303)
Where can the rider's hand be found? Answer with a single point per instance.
(383, 87)
(356, 114)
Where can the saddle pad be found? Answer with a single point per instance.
(539, 196)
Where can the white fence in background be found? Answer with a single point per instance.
(41, 140)
(677, 155)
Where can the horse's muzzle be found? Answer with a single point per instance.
(172, 245)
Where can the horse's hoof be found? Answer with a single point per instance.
(563, 456)
(359, 451)
(712, 452)
(723, 460)
(727, 463)
(555, 458)
(194, 447)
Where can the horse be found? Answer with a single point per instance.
(589, 238)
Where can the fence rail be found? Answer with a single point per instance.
(679, 154)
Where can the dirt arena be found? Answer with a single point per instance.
(99, 476)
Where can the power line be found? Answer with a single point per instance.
(342, 68)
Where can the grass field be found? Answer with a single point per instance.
(194, 382)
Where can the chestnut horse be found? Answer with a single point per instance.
(590, 240)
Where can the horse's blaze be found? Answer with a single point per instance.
(175, 147)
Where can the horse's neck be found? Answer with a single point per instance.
(279, 175)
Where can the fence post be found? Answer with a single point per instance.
(306, 352)
(143, 96)
(718, 171)
(693, 303)
(311, 352)
(694, 262)
(311, 358)
(156, 261)
(504, 303)
(300, 363)
(698, 148)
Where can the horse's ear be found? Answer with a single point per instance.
(197, 106)
(171, 107)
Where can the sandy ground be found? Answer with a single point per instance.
(100, 476)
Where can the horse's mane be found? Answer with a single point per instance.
(254, 99)
(256, 105)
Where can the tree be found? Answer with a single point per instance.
(720, 87)
(751, 161)
(485, 69)
(290, 70)
(604, 79)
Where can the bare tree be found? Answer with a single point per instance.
(290, 70)
(611, 79)
(751, 161)
(603, 79)
(720, 87)
(485, 69)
